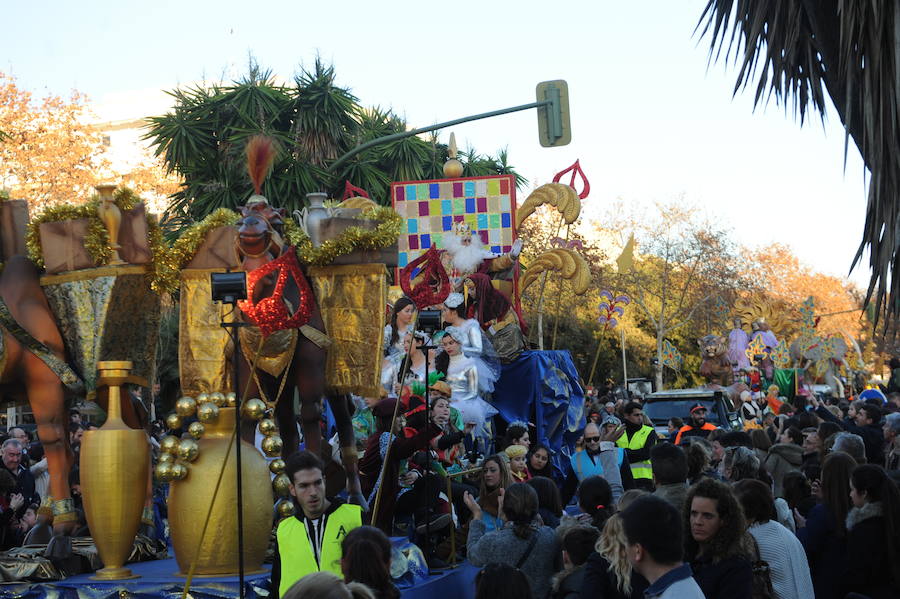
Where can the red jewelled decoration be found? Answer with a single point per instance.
(575, 169)
(351, 190)
(434, 286)
(271, 314)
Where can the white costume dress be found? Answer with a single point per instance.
(462, 376)
(477, 347)
(397, 348)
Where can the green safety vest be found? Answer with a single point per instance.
(295, 550)
(638, 469)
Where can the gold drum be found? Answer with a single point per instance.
(192, 499)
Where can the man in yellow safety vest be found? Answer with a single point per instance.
(637, 442)
(310, 540)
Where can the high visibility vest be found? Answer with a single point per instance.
(638, 469)
(296, 553)
(584, 467)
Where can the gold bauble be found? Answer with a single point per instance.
(271, 446)
(164, 472)
(196, 429)
(286, 508)
(173, 421)
(254, 409)
(453, 168)
(188, 450)
(282, 485)
(165, 457)
(179, 471)
(267, 427)
(217, 398)
(276, 466)
(202, 398)
(231, 399)
(169, 444)
(207, 412)
(185, 407)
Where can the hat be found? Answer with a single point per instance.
(516, 451)
(454, 300)
(441, 388)
(384, 408)
(698, 406)
(610, 419)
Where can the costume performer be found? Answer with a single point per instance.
(475, 345)
(738, 340)
(464, 254)
(761, 329)
(396, 366)
(400, 325)
(462, 373)
(496, 315)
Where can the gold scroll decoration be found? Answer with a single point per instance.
(202, 342)
(351, 299)
(107, 313)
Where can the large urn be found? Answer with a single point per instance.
(115, 465)
(195, 498)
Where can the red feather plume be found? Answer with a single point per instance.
(260, 156)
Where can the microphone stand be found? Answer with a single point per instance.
(425, 349)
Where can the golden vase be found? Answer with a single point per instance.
(115, 462)
(194, 499)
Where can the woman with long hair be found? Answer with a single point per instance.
(824, 532)
(402, 315)
(516, 434)
(788, 567)
(366, 558)
(873, 534)
(410, 365)
(607, 572)
(325, 585)
(595, 498)
(495, 478)
(718, 547)
(550, 506)
(522, 542)
(539, 463)
(474, 343)
(466, 382)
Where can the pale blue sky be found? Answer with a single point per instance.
(650, 121)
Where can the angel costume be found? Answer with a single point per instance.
(396, 349)
(462, 376)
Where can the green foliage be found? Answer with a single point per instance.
(314, 122)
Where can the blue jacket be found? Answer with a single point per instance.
(827, 554)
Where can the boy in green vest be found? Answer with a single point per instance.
(310, 541)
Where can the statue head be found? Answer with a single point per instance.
(712, 346)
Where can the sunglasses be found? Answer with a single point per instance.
(591, 439)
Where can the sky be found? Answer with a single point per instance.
(652, 120)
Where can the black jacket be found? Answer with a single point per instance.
(25, 486)
(825, 551)
(872, 435)
(600, 582)
(729, 578)
(867, 566)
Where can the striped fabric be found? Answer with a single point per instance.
(788, 567)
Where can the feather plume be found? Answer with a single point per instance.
(260, 156)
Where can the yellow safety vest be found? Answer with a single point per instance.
(638, 469)
(295, 550)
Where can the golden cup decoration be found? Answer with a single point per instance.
(192, 500)
(115, 461)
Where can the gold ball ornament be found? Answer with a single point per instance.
(285, 508)
(202, 398)
(218, 399)
(169, 444)
(188, 450)
(267, 427)
(179, 471)
(173, 421)
(185, 407)
(165, 457)
(231, 399)
(254, 409)
(272, 446)
(276, 466)
(196, 429)
(207, 412)
(164, 472)
(453, 168)
(282, 485)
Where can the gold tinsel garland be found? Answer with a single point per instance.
(186, 246)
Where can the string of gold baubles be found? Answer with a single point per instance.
(176, 454)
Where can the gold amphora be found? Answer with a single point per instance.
(115, 464)
(193, 499)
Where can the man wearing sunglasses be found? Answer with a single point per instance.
(698, 426)
(600, 457)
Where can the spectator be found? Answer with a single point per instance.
(761, 443)
(638, 440)
(873, 534)
(539, 461)
(516, 434)
(783, 457)
(577, 544)
(595, 498)
(74, 417)
(777, 546)
(608, 574)
(39, 470)
(670, 474)
(42, 531)
(791, 434)
(600, 457)
(798, 493)
(495, 478)
(698, 426)
(866, 423)
(310, 541)
(10, 502)
(673, 426)
(521, 542)
(654, 538)
(25, 524)
(699, 454)
(366, 558)
(11, 455)
(518, 467)
(718, 547)
(824, 533)
(851, 444)
(892, 441)
(741, 464)
(549, 502)
(502, 581)
(326, 585)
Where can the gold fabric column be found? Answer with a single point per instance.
(352, 301)
(202, 341)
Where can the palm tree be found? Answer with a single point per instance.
(314, 121)
(800, 49)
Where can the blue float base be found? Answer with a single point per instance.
(158, 580)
